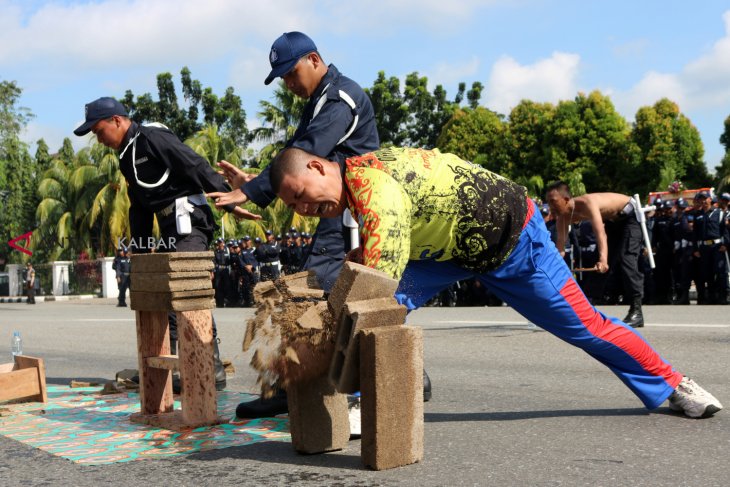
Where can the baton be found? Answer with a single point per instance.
(642, 222)
(585, 269)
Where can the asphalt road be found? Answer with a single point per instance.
(511, 406)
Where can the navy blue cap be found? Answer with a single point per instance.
(231, 243)
(682, 203)
(257, 240)
(294, 234)
(668, 205)
(101, 109)
(725, 196)
(278, 236)
(305, 235)
(269, 232)
(246, 238)
(702, 195)
(286, 51)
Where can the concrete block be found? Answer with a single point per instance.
(172, 281)
(318, 417)
(344, 369)
(313, 317)
(391, 381)
(172, 301)
(356, 283)
(172, 262)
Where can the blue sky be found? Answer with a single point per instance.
(66, 53)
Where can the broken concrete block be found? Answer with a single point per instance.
(356, 283)
(345, 366)
(318, 417)
(391, 382)
(313, 317)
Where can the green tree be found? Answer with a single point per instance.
(722, 171)
(279, 120)
(69, 190)
(670, 148)
(225, 112)
(16, 171)
(477, 135)
(391, 111)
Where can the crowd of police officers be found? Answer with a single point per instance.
(689, 241)
(241, 263)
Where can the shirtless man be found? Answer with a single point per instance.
(617, 213)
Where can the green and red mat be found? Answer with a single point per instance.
(88, 428)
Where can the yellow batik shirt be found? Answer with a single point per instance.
(416, 204)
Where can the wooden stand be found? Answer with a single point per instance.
(23, 380)
(175, 282)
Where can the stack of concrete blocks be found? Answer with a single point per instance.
(378, 355)
(175, 282)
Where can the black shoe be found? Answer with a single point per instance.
(121, 305)
(263, 408)
(426, 387)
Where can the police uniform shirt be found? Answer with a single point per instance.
(709, 226)
(321, 134)
(166, 169)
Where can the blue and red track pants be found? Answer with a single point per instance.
(535, 281)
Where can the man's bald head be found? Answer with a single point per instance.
(291, 161)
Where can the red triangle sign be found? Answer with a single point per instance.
(25, 237)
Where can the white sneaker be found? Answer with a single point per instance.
(353, 408)
(693, 400)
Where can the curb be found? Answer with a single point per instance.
(41, 299)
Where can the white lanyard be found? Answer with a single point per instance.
(133, 143)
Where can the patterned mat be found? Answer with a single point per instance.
(91, 429)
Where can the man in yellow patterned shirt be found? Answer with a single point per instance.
(432, 219)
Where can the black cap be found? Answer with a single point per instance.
(702, 195)
(725, 196)
(682, 203)
(101, 109)
(246, 238)
(294, 234)
(269, 232)
(257, 240)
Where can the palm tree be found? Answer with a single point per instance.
(68, 190)
(279, 122)
(110, 209)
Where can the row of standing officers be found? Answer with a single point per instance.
(240, 264)
(689, 240)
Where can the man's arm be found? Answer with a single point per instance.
(318, 136)
(587, 206)
(140, 224)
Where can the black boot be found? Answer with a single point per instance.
(220, 371)
(426, 387)
(635, 318)
(264, 408)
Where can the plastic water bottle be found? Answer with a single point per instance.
(16, 344)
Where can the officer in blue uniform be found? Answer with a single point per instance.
(337, 122)
(683, 236)
(166, 179)
(711, 246)
(221, 269)
(662, 243)
(124, 268)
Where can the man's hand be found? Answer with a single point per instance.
(235, 197)
(235, 176)
(601, 267)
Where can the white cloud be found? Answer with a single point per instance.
(115, 32)
(436, 16)
(548, 80)
(449, 74)
(703, 83)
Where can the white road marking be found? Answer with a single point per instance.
(677, 325)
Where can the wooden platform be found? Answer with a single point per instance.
(23, 380)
